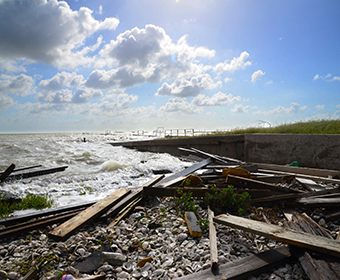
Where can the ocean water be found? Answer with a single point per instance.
(95, 168)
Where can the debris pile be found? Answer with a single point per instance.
(218, 219)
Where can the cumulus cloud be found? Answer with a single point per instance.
(327, 78)
(236, 64)
(188, 87)
(47, 31)
(218, 99)
(320, 107)
(61, 80)
(257, 75)
(180, 105)
(280, 110)
(239, 108)
(5, 102)
(227, 80)
(22, 85)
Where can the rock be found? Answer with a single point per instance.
(12, 275)
(182, 236)
(144, 261)
(3, 274)
(112, 258)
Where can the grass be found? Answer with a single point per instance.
(30, 201)
(308, 127)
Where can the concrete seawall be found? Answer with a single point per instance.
(310, 150)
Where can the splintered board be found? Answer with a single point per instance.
(66, 229)
(194, 228)
(287, 235)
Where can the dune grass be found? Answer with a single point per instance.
(308, 127)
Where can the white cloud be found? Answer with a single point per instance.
(60, 80)
(316, 77)
(22, 85)
(257, 75)
(320, 107)
(227, 80)
(304, 107)
(100, 10)
(335, 79)
(280, 110)
(327, 78)
(180, 105)
(218, 99)
(48, 31)
(5, 102)
(239, 108)
(188, 87)
(236, 64)
(269, 83)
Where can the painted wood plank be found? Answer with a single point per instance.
(212, 238)
(296, 238)
(66, 229)
(245, 267)
(250, 183)
(194, 228)
(187, 171)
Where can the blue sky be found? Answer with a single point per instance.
(73, 66)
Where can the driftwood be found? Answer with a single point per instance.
(4, 175)
(66, 229)
(316, 266)
(24, 168)
(35, 173)
(212, 239)
(293, 237)
(254, 184)
(245, 267)
(187, 171)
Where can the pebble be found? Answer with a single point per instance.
(137, 251)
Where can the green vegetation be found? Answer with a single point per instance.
(31, 201)
(222, 200)
(308, 127)
(204, 224)
(185, 202)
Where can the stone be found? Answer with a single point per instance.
(112, 258)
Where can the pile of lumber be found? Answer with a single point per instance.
(285, 187)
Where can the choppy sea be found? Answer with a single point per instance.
(95, 168)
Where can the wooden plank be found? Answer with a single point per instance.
(66, 229)
(293, 237)
(125, 212)
(35, 173)
(275, 179)
(6, 173)
(310, 184)
(131, 197)
(213, 156)
(276, 198)
(299, 170)
(36, 224)
(174, 182)
(187, 171)
(212, 239)
(315, 178)
(44, 213)
(245, 267)
(254, 184)
(320, 202)
(25, 168)
(194, 228)
(316, 266)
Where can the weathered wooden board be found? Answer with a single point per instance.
(175, 182)
(316, 266)
(4, 175)
(320, 202)
(315, 178)
(66, 229)
(277, 198)
(245, 267)
(35, 173)
(275, 179)
(311, 185)
(254, 184)
(194, 228)
(299, 170)
(212, 238)
(187, 171)
(293, 237)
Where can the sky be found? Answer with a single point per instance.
(97, 65)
